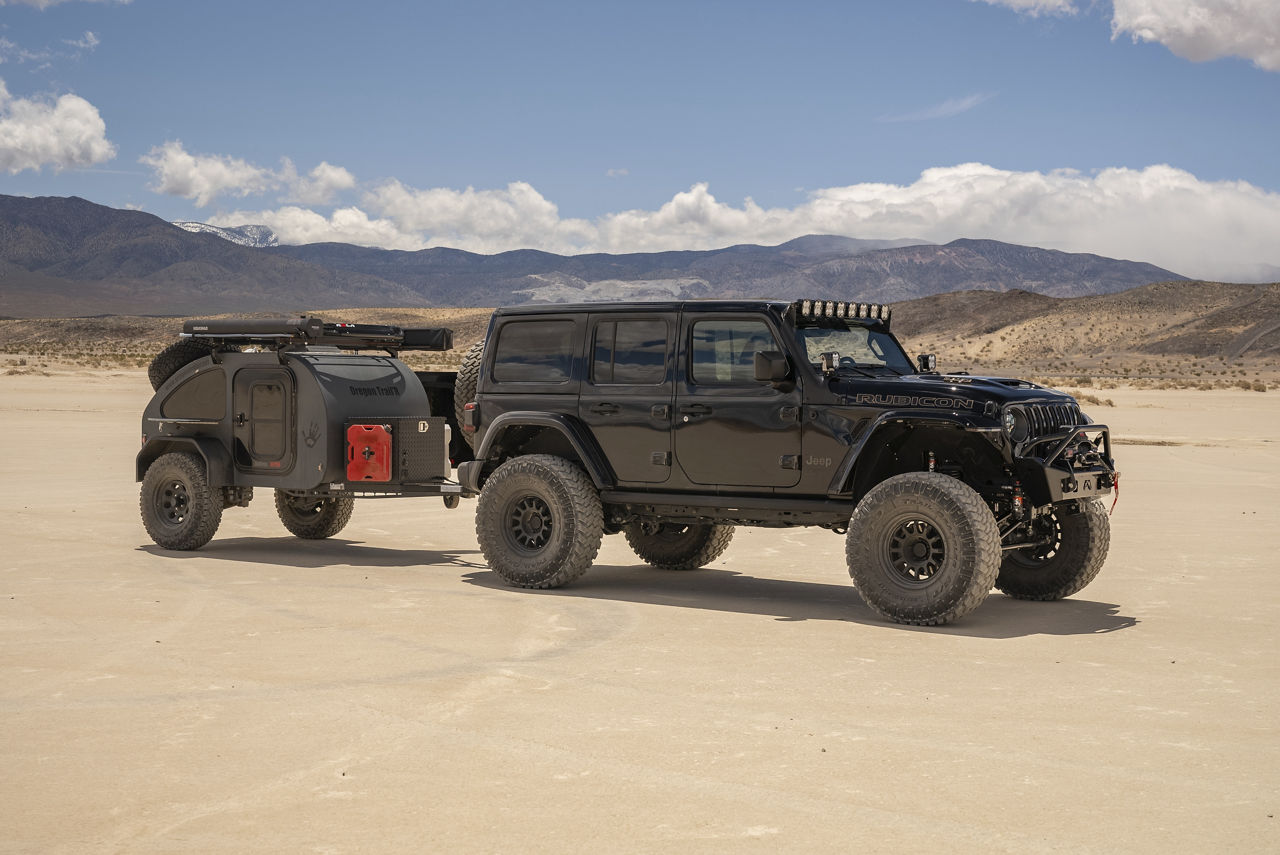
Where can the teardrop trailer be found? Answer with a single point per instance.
(320, 413)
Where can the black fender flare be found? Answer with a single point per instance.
(217, 461)
(578, 437)
(842, 481)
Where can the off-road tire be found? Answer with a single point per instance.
(672, 546)
(539, 521)
(1080, 543)
(464, 386)
(178, 354)
(312, 517)
(923, 549)
(179, 508)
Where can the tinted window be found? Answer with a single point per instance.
(630, 351)
(534, 351)
(724, 351)
(204, 396)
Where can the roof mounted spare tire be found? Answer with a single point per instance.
(178, 354)
(464, 387)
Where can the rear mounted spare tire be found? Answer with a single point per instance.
(464, 387)
(178, 354)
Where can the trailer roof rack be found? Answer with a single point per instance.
(309, 330)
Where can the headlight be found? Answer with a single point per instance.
(1016, 425)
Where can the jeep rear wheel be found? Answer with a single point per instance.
(1074, 548)
(539, 521)
(313, 517)
(923, 549)
(672, 546)
(179, 508)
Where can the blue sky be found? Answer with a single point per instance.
(1144, 129)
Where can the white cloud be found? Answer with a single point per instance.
(1035, 8)
(66, 133)
(1201, 30)
(86, 42)
(319, 186)
(945, 110)
(294, 225)
(203, 177)
(1167, 216)
(617, 173)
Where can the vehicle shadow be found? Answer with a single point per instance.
(1000, 617)
(315, 554)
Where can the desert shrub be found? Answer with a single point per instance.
(1259, 386)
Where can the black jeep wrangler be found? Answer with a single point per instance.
(674, 422)
(320, 413)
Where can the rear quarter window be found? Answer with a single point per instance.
(534, 352)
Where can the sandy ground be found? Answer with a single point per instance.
(383, 692)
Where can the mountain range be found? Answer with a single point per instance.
(67, 257)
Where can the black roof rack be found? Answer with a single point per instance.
(309, 330)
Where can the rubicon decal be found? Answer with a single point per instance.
(912, 401)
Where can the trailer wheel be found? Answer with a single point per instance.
(1075, 548)
(539, 521)
(464, 387)
(179, 508)
(178, 354)
(313, 517)
(673, 546)
(923, 548)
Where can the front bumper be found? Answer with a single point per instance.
(1075, 463)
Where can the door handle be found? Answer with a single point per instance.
(696, 410)
(604, 409)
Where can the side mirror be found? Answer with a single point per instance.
(927, 363)
(771, 366)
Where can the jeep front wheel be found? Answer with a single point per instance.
(179, 508)
(1071, 553)
(313, 517)
(539, 521)
(672, 546)
(923, 549)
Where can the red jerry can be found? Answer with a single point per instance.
(368, 453)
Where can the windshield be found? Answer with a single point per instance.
(858, 346)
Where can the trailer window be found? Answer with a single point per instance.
(204, 396)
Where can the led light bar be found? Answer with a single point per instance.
(838, 309)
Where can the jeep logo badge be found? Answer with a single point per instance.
(422, 427)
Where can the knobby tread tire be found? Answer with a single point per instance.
(963, 522)
(313, 518)
(571, 504)
(178, 354)
(464, 386)
(678, 547)
(1085, 540)
(179, 508)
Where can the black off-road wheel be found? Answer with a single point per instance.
(464, 386)
(672, 546)
(539, 521)
(313, 517)
(179, 508)
(178, 354)
(923, 549)
(1076, 541)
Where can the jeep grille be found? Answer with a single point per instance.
(1047, 419)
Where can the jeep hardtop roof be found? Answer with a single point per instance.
(867, 313)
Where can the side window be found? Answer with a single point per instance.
(534, 351)
(630, 352)
(204, 396)
(724, 351)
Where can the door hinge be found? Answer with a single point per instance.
(660, 458)
(789, 461)
(790, 414)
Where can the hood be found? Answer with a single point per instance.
(940, 390)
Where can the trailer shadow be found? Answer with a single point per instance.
(1000, 617)
(315, 554)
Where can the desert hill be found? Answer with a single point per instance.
(63, 257)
